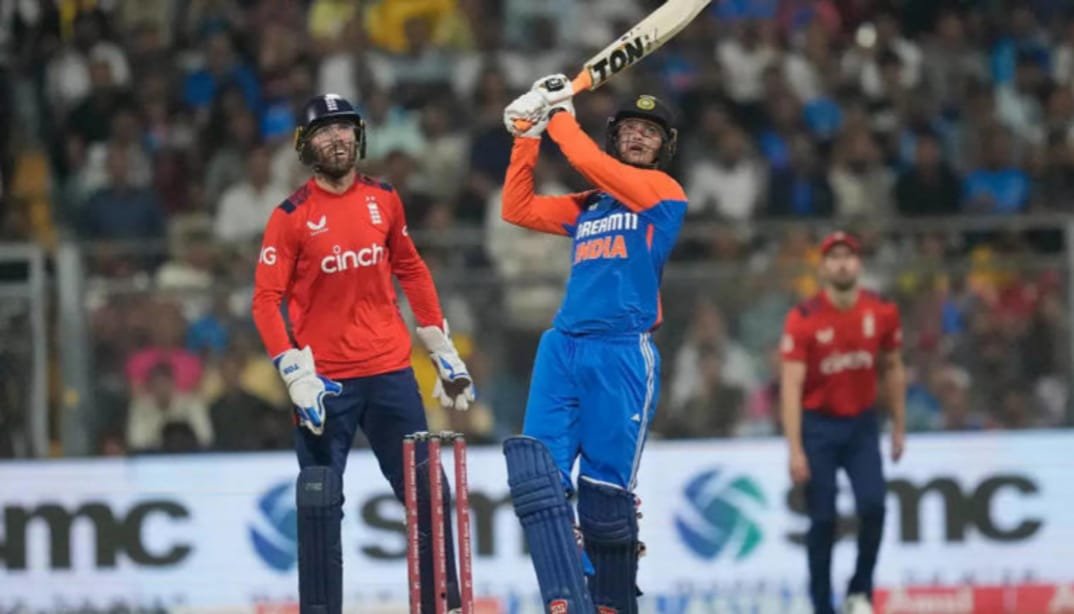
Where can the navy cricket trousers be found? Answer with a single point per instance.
(853, 444)
(386, 407)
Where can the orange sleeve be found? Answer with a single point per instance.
(521, 207)
(637, 188)
(794, 345)
(409, 268)
(892, 339)
(272, 279)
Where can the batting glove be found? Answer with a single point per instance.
(557, 92)
(529, 107)
(307, 389)
(454, 386)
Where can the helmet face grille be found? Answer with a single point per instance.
(652, 109)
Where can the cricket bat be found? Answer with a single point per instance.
(638, 42)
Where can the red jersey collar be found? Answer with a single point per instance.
(316, 187)
(830, 305)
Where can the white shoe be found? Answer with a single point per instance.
(857, 603)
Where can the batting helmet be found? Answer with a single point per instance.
(648, 108)
(321, 110)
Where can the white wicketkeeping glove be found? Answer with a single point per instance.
(454, 386)
(531, 108)
(557, 92)
(306, 388)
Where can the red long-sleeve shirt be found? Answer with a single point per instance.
(840, 349)
(333, 256)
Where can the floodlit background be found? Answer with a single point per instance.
(143, 144)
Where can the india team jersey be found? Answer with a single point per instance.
(331, 258)
(840, 349)
(622, 232)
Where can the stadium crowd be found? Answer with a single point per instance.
(158, 134)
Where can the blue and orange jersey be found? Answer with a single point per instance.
(623, 231)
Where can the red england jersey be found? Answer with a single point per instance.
(332, 257)
(840, 349)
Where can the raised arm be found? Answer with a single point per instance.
(522, 207)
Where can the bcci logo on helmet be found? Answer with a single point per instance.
(720, 513)
(274, 531)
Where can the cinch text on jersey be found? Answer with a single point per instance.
(342, 259)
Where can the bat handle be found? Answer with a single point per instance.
(522, 125)
(583, 81)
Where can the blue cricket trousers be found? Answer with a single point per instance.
(594, 396)
(830, 443)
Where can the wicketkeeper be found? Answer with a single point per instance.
(328, 257)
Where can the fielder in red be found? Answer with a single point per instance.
(836, 348)
(329, 255)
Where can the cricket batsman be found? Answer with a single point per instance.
(331, 250)
(596, 377)
(835, 348)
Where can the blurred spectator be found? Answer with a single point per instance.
(441, 163)
(953, 63)
(165, 347)
(1022, 39)
(714, 407)
(389, 24)
(343, 68)
(811, 67)
(728, 186)
(210, 333)
(159, 404)
(222, 67)
(996, 186)
(1055, 180)
(801, 188)
(237, 136)
(242, 421)
(188, 273)
(930, 186)
(245, 207)
(417, 71)
(1063, 61)
(542, 54)
(125, 134)
(955, 401)
(1018, 103)
(707, 333)
(91, 117)
(743, 59)
(865, 61)
(327, 20)
(121, 210)
(862, 185)
(68, 74)
(390, 127)
(179, 438)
